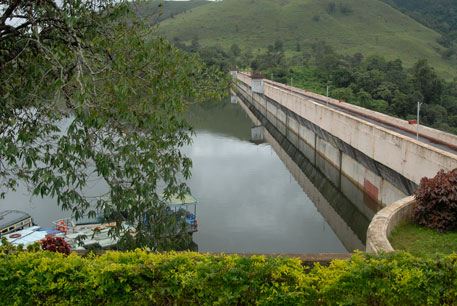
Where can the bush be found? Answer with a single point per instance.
(55, 244)
(436, 202)
(345, 9)
(143, 278)
(331, 8)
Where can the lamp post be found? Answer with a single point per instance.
(327, 94)
(418, 110)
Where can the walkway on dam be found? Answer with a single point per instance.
(385, 125)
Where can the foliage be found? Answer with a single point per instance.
(437, 14)
(142, 278)
(236, 51)
(427, 82)
(436, 201)
(55, 244)
(345, 8)
(356, 26)
(421, 241)
(331, 7)
(88, 92)
(7, 247)
(169, 9)
(372, 82)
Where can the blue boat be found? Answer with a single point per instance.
(188, 204)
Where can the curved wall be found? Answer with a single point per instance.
(384, 221)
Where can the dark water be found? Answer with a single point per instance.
(249, 200)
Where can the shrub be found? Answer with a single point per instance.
(331, 7)
(345, 9)
(143, 278)
(55, 244)
(436, 202)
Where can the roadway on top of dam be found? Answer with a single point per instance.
(385, 125)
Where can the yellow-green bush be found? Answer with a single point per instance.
(142, 278)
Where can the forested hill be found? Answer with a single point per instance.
(350, 26)
(440, 15)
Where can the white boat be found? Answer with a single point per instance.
(31, 235)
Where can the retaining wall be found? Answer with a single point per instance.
(384, 221)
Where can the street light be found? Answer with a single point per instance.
(327, 94)
(418, 110)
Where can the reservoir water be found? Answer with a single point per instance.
(253, 198)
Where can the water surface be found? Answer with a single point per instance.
(249, 201)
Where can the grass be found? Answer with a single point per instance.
(169, 9)
(422, 241)
(372, 27)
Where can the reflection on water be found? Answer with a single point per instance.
(220, 118)
(317, 178)
(249, 201)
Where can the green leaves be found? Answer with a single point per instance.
(98, 97)
(144, 278)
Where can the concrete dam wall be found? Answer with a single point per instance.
(348, 216)
(385, 164)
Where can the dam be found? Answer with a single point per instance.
(351, 164)
(380, 159)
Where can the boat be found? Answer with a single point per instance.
(96, 232)
(85, 233)
(13, 221)
(187, 204)
(30, 235)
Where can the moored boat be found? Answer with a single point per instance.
(85, 233)
(14, 220)
(188, 204)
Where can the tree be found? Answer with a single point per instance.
(427, 81)
(235, 49)
(345, 94)
(385, 91)
(331, 8)
(342, 77)
(87, 92)
(328, 63)
(364, 98)
(195, 45)
(279, 46)
(345, 8)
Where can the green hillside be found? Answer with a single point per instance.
(350, 26)
(169, 9)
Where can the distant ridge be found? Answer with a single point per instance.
(349, 26)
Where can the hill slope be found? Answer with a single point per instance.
(366, 26)
(168, 8)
